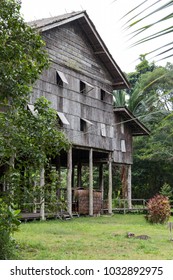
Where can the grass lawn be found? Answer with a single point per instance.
(95, 238)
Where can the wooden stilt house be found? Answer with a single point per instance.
(79, 83)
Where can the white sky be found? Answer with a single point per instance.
(105, 14)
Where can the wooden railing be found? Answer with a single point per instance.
(122, 205)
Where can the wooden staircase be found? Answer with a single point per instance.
(64, 215)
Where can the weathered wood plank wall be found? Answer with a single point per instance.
(72, 54)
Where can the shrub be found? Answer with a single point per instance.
(158, 209)
(8, 224)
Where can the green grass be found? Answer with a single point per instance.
(94, 238)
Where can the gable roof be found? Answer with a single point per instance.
(138, 129)
(99, 47)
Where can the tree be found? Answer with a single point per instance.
(150, 99)
(28, 142)
(22, 54)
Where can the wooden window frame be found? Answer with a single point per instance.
(62, 118)
(31, 108)
(83, 87)
(83, 124)
(103, 130)
(123, 145)
(60, 78)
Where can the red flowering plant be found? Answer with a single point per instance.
(159, 209)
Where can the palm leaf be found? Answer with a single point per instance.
(140, 16)
(151, 13)
(154, 36)
(139, 12)
(144, 28)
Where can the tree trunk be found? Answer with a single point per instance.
(42, 198)
(69, 181)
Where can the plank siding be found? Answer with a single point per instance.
(69, 46)
(124, 157)
(72, 54)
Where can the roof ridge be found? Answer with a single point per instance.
(54, 19)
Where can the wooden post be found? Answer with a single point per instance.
(91, 182)
(42, 198)
(110, 185)
(69, 181)
(129, 187)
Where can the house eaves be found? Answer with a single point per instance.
(137, 128)
(98, 45)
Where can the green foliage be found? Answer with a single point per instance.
(150, 99)
(9, 223)
(166, 190)
(29, 142)
(22, 54)
(158, 209)
(158, 15)
(31, 139)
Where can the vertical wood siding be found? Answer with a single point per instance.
(71, 53)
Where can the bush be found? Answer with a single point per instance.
(8, 224)
(159, 209)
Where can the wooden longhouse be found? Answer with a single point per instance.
(79, 83)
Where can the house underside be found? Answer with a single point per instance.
(97, 198)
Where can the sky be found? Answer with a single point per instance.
(106, 16)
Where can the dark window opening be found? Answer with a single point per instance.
(60, 123)
(60, 78)
(82, 87)
(102, 94)
(82, 125)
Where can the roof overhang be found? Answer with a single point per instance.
(99, 47)
(138, 129)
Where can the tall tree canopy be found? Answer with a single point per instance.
(26, 141)
(22, 54)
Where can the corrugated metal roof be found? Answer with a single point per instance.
(99, 47)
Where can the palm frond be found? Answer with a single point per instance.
(144, 10)
(144, 28)
(147, 13)
(151, 13)
(154, 36)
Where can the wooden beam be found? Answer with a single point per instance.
(91, 182)
(69, 181)
(110, 185)
(129, 187)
